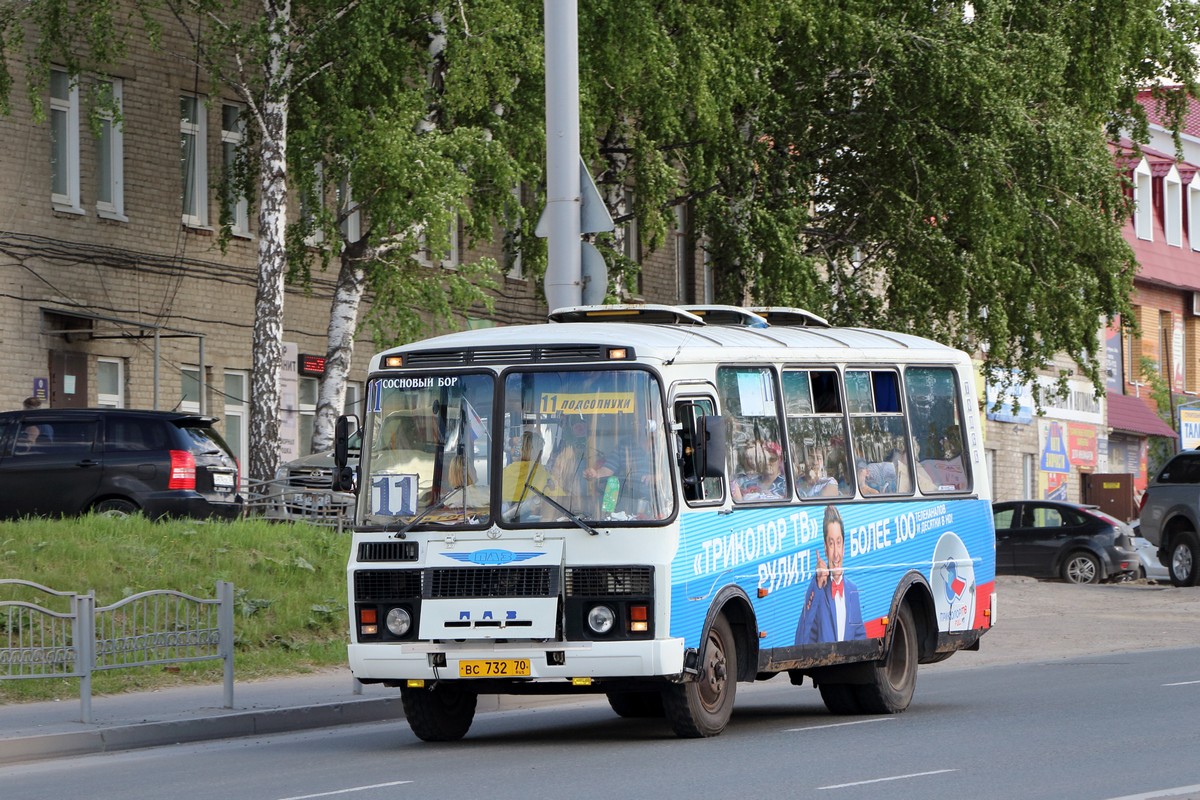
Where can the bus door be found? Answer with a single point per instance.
(698, 482)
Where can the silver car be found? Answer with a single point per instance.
(1150, 568)
(303, 490)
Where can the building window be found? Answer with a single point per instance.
(710, 280)
(1028, 476)
(1143, 202)
(1133, 370)
(1193, 210)
(512, 237)
(64, 138)
(110, 154)
(237, 414)
(189, 390)
(110, 383)
(233, 135)
(631, 246)
(1165, 327)
(308, 413)
(349, 213)
(453, 254)
(193, 160)
(683, 257)
(1173, 208)
(311, 203)
(353, 397)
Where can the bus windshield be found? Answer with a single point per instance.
(430, 450)
(591, 444)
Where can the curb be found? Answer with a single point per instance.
(226, 726)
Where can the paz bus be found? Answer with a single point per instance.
(657, 503)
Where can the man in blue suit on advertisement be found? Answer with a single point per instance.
(832, 612)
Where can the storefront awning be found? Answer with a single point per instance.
(1131, 415)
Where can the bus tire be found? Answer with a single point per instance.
(894, 679)
(702, 707)
(840, 698)
(637, 705)
(443, 714)
(1185, 555)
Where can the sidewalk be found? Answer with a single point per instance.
(52, 729)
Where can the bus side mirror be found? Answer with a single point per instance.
(710, 441)
(343, 475)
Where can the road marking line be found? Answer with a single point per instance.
(347, 791)
(1182, 683)
(837, 725)
(893, 778)
(1180, 791)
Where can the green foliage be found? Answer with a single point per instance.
(938, 168)
(289, 587)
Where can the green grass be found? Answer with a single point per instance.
(289, 584)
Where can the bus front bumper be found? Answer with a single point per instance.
(544, 661)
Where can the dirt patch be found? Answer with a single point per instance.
(1048, 620)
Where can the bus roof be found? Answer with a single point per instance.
(665, 334)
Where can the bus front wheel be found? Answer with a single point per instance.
(894, 679)
(441, 715)
(702, 707)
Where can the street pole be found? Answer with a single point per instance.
(563, 282)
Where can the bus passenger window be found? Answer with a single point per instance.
(935, 421)
(881, 463)
(816, 432)
(757, 462)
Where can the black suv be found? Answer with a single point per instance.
(121, 461)
(1170, 517)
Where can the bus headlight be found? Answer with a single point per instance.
(601, 619)
(398, 621)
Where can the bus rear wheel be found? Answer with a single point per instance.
(894, 679)
(443, 714)
(702, 707)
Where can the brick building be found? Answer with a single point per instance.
(115, 289)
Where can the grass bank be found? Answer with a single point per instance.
(289, 583)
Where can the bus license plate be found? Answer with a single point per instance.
(494, 668)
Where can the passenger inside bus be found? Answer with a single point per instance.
(527, 473)
(761, 474)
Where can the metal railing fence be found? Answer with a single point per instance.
(155, 627)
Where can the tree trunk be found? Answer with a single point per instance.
(343, 319)
(267, 340)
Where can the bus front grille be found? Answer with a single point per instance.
(609, 581)
(387, 551)
(493, 582)
(384, 585)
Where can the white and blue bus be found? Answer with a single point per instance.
(656, 503)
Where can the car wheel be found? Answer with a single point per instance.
(1081, 567)
(116, 507)
(1183, 561)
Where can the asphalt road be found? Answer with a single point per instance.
(1092, 728)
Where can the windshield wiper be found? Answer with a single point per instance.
(578, 520)
(419, 518)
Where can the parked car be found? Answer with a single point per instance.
(1149, 568)
(1050, 538)
(61, 462)
(1170, 516)
(303, 489)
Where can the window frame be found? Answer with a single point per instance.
(110, 149)
(194, 171)
(232, 140)
(64, 121)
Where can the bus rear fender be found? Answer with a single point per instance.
(915, 591)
